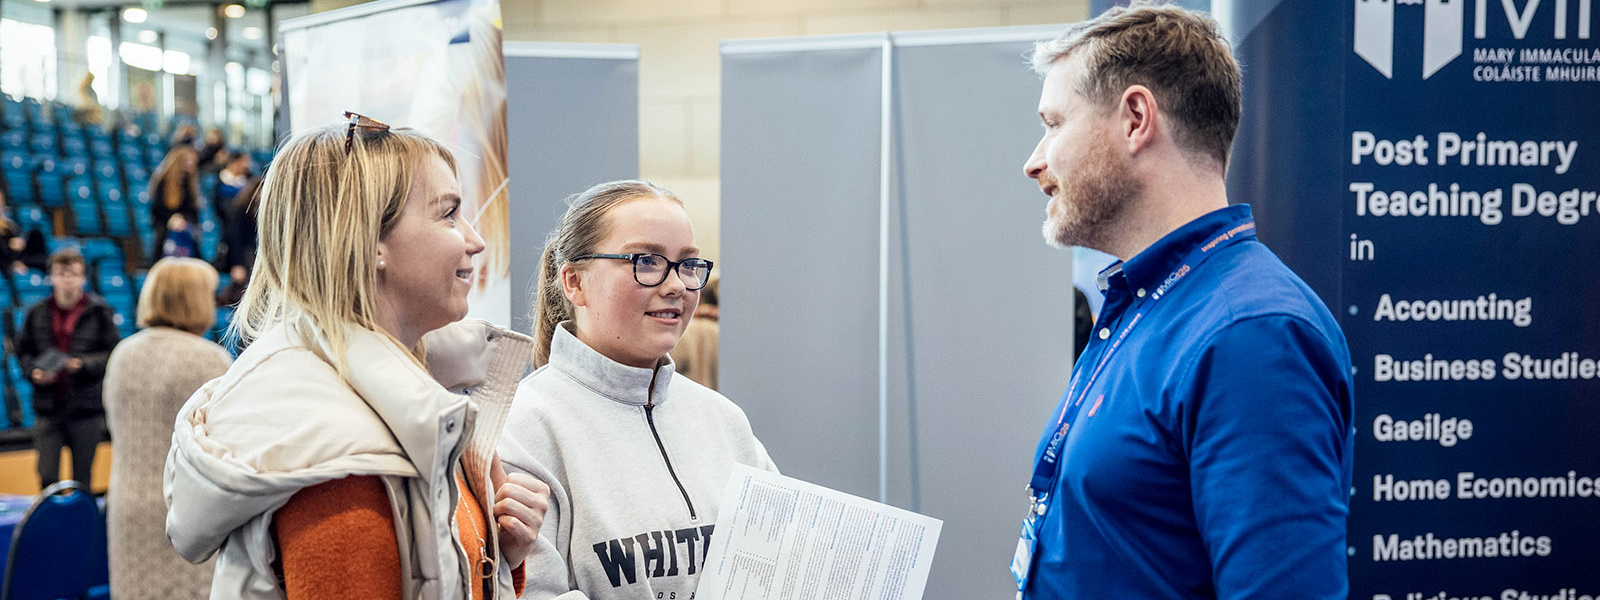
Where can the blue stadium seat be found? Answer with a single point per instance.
(34, 110)
(101, 150)
(80, 188)
(137, 175)
(115, 207)
(208, 185)
(210, 232)
(12, 115)
(131, 154)
(17, 169)
(14, 140)
(52, 175)
(74, 165)
(34, 218)
(31, 288)
(155, 155)
(53, 548)
(219, 330)
(72, 145)
(20, 384)
(85, 211)
(42, 143)
(117, 289)
(100, 252)
(65, 123)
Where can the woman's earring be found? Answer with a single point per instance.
(380, 263)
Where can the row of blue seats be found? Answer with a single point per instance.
(65, 138)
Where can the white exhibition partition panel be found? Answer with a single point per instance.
(573, 121)
(799, 292)
(914, 359)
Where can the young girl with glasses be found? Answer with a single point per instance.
(635, 455)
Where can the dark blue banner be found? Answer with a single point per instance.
(1432, 167)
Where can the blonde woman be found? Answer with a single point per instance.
(328, 462)
(150, 374)
(174, 190)
(635, 454)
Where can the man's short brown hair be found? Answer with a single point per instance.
(1179, 54)
(67, 257)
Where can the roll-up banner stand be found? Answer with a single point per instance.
(438, 66)
(435, 66)
(892, 322)
(1432, 168)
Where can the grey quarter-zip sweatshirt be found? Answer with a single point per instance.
(636, 460)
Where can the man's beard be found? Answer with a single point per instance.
(1087, 209)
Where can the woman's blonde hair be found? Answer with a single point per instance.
(582, 229)
(168, 183)
(323, 209)
(179, 293)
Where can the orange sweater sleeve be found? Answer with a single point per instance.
(336, 540)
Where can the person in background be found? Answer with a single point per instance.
(1203, 449)
(12, 243)
(88, 111)
(181, 239)
(238, 237)
(213, 154)
(148, 377)
(337, 458)
(696, 353)
(184, 136)
(174, 190)
(62, 348)
(628, 447)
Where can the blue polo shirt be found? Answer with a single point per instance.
(1211, 458)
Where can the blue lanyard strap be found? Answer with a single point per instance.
(1045, 471)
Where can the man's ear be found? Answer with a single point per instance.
(1138, 118)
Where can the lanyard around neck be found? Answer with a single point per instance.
(1045, 471)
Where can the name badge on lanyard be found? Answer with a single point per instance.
(1022, 561)
(1048, 468)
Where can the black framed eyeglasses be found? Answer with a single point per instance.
(650, 269)
(363, 121)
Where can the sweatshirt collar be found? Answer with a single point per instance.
(609, 378)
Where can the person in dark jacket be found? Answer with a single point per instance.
(63, 347)
(174, 189)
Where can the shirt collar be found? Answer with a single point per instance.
(609, 378)
(1150, 268)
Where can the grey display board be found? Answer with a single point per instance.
(913, 359)
(573, 121)
(799, 292)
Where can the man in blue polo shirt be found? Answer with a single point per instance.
(1203, 447)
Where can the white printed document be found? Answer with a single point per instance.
(779, 538)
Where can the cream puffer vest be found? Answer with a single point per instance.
(283, 418)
